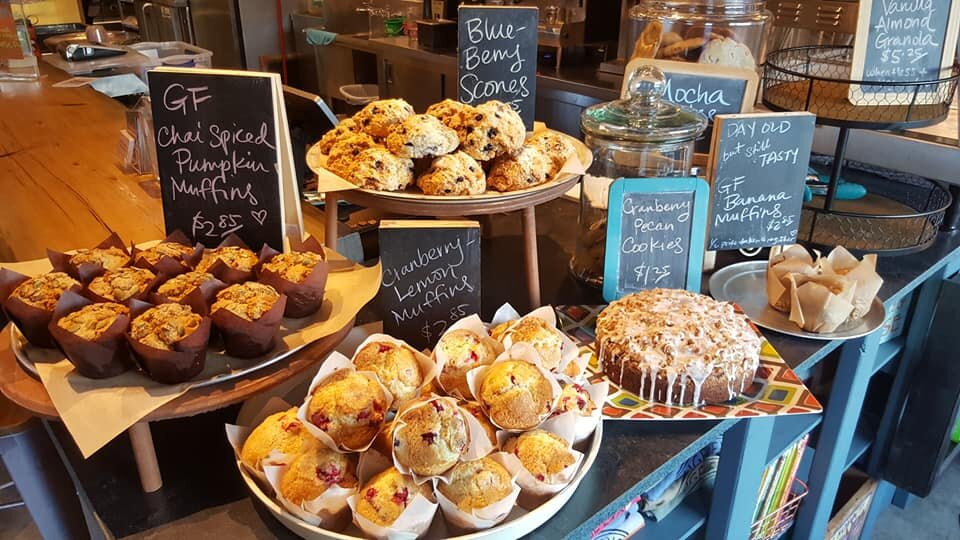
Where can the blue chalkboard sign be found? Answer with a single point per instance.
(656, 230)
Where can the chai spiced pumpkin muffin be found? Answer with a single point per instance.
(396, 367)
(248, 300)
(516, 395)
(90, 322)
(122, 284)
(314, 471)
(174, 250)
(110, 258)
(477, 484)
(43, 291)
(294, 266)
(542, 453)
(280, 432)
(235, 257)
(349, 407)
(463, 350)
(387, 495)
(162, 326)
(178, 287)
(431, 437)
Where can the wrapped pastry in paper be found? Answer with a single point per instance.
(391, 492)
(539, 329)
(583, 404)
(173, 255)
(403, 370)
(863, 272)
(278, 436)
(315, 485)
(820, 303)
(464, 346)
(783, 261)
(460, 484)
(542, 460)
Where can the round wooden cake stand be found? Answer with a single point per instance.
(29, 393)
(525, 203)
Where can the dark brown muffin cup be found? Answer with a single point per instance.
(199, 299)
(225, 273)
(167, 266)
(142, 296)
(304, 298)
(184, 362)
(107, 356)
(32, 321)
(249, 339)
(86, 271)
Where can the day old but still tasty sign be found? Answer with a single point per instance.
(656, 229)
(224, 156)
(431, 277)
(758, 169)
(498, 57)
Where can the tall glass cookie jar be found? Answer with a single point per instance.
(637, 136)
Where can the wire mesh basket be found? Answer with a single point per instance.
(778, 521)
(901, 214)
(817, 79)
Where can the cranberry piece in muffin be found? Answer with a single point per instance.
(396, 366)
(349, 407)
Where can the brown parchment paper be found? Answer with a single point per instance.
(97, 411)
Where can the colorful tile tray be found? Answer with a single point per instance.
(776, 389)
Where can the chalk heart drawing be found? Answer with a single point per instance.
(259, 215)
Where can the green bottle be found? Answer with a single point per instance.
(955, 437)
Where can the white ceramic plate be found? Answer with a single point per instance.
(745, 284)
(519, 523)
(316, 160)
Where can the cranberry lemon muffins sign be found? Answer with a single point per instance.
(224, 157)
(498, 57)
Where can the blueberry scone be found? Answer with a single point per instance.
(345, 151)
(556, 146)
(452, 113)
(342, 130)
(420, 136)
(377, 168)
(527, 168)
(453, 174)
(379, 118)
(493, 130)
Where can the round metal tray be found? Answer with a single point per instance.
(745, 285)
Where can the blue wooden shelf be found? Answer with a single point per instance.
(862, 439)
(887, 352)
(685, 521)
(788, 430)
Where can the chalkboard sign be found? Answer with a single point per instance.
(498, 57)
(224, 156)
(656, 229)
(758, 167)
(903, 41)
(431, 277)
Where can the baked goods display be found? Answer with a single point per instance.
(248, 316)
(29, 301)
(821, 295)
(678, 41)
(425, 447)
(676, 347)
(92, 335)
(454, 145)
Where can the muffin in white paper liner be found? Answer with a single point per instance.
(237, 435)
(474, 325)
(428, 368)
(479, 518)
(336, 362)
(584, 426)
(518, 351)
(479, 444)
(412, 523)
(535, 492)
(576, 369)
(330, 510)
(569, 351)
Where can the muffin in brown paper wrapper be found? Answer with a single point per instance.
(224, 272)
(33, 322)
(86, 271)
(107, 356)
(248, 339)
(142, 296)
(184, 362)
(168, 266)
(199, 299)
(303, 298)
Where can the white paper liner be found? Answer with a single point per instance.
(576, 369)
(237, 435)
(472, 324)
(568, 349)
(863, 272)
(328, 510)
(536, 491)
(584, 426)
(479, 445)
(479, 518)
(333, 363)
(428, 368)
(518, 351)
(412, 523)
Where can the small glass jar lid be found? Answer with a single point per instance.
(641, 114)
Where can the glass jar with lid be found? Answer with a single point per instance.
(724, 32)
(638, 136)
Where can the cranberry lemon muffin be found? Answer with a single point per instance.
(430, 438)
(516, 395)
(349, 407)
(396, 367)
(280, 432)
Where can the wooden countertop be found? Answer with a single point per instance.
(59, 170)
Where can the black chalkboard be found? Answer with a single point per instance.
(708, 95)
(758, 166)
(655, 235)
(904, 40)
(498, 57)
(431, 277)
(216, 139)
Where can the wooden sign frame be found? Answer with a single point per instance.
(698, 226)
(291, 214)
(856, 96)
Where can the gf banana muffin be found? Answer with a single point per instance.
(235, 257)
(109, 258)
(178, 287)
(248, 300)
